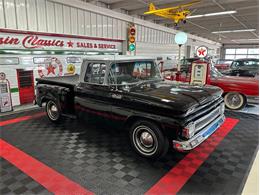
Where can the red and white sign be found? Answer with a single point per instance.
(50, 42)
(2, 76)
(53, 68)
(202, 51)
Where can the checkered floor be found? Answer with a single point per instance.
(225, 171)
(99, 158)
(14, 181)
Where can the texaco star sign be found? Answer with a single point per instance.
(202, 51)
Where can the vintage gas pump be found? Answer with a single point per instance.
(5, 94)
(200, 68)
(200, 73)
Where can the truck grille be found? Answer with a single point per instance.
(207, 119)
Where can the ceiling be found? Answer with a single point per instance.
(246, 17)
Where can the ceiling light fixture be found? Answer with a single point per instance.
(213, 14)
(233, 31)
(195, 16)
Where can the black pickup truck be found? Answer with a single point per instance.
(131, 91)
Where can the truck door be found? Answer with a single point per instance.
(92, 96)
(26, 85)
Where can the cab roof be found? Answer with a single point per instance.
(116, 58)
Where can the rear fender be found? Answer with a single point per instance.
(46, 98)
(51, 92)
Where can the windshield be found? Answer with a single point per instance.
(222, 61)
(188, 61)
(133, 72)
(214, 72)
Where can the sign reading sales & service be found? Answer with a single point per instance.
(34, 41)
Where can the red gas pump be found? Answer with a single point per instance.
(200, 72)
(5, 94)
(200, 69)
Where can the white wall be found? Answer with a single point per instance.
(80, 18)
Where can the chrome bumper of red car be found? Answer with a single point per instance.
(252, 99)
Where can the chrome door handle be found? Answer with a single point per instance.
(79, 89)
(116, 96)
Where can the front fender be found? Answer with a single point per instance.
(169, 126)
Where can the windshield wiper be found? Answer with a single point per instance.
(146, 82)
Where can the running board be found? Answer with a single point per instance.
(70, 116)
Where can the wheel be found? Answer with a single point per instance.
(147, 140)
(53, 111)
(234, 101)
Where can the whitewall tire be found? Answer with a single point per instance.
(234, 100)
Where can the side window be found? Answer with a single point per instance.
(73, 59)
(95, 73)
(246, 63)
(9, 61)
(253, 63)
(234, 64)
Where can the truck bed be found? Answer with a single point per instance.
(66, 81)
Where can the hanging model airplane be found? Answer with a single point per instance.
(177, 13)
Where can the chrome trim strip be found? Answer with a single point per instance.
(213, 103)
(199, 138)
(203, 111)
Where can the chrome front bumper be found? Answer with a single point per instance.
(200, 136)
(252, 99)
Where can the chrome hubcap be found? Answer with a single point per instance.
(234, 101)
(52, 110)
(145, 140)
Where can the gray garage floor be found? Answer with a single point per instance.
(251, 109)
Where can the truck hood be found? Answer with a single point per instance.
(180, 96)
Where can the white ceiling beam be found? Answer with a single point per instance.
(244, 12)
(203, 4)
(235, 18)
(224, 21)
(122, 4)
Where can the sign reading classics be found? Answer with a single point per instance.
(48, 42)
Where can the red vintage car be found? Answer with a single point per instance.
(223, 65)
(238, 91)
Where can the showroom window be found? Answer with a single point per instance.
(239, 53)
(9, 61)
